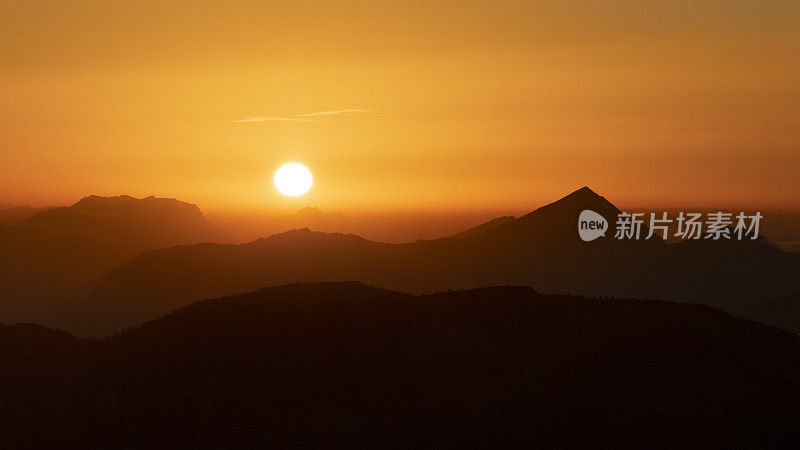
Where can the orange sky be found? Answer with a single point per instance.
(470, 104)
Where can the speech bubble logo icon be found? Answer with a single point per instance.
(591, 225)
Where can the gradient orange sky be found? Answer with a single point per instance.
(457, 104)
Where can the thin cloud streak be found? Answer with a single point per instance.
(307, 117)
(332, 113)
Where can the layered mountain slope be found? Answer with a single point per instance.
(12, 215)
(541, 249)
(344, 364)
(60, 252)
(783, 312)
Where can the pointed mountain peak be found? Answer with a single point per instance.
(583, 193)
(574, 203)
(560, 217)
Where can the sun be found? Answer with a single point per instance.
(293, 179)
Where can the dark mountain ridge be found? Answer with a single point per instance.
(344, 364)
(541, 249)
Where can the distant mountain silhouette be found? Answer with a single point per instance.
(737, 275)
(151, 222)
(314, 218)
(247, 227)
(28, 338)
(783, 312)
(345, 365)
(540, 249)
(314, 213)
(309, 217)
(61, 251)
(12, 215)
(394, 226)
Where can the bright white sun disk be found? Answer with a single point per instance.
(293, 179)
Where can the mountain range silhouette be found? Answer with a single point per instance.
(12, 215)
(540, 249)
(783, 312)
(348, 365)
(107, 263)
(59, 253)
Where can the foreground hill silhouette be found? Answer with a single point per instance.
(60, 251)
(541, 249)
(344, 364)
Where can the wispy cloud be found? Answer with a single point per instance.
(333, 113)
(307, 117)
